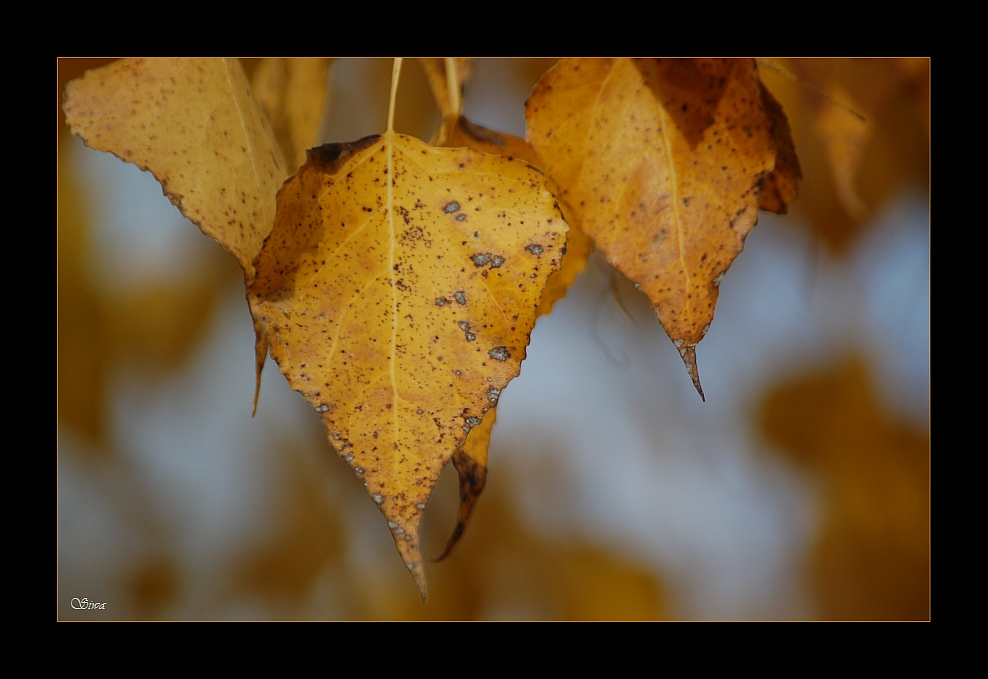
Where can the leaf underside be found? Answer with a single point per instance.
(197, 127)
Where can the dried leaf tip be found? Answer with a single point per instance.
(470, 462)
(688, 354)
(473, 477)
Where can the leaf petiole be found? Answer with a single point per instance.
(395, 73)
(453, 85)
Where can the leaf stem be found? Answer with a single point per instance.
(395, 72)
(453, 85)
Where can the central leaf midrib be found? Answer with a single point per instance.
(394, 292)
(675, 204)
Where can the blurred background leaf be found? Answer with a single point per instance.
(871, 560)
(862, 133)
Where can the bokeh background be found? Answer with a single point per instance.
(799, 490)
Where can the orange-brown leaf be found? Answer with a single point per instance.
(661, 163)
(781, 186)
(400, 309)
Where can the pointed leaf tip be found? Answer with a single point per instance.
(406, 537)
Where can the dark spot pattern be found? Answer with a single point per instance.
(499, 353)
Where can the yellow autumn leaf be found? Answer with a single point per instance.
(461, 132)
(197, 127)
(661, 162)
(398, 290)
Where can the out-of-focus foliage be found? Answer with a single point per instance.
(862, 129)
(292, 93)
(872, 558)
(504, 569)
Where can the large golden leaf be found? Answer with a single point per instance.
(661, 162)
(398, 289)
